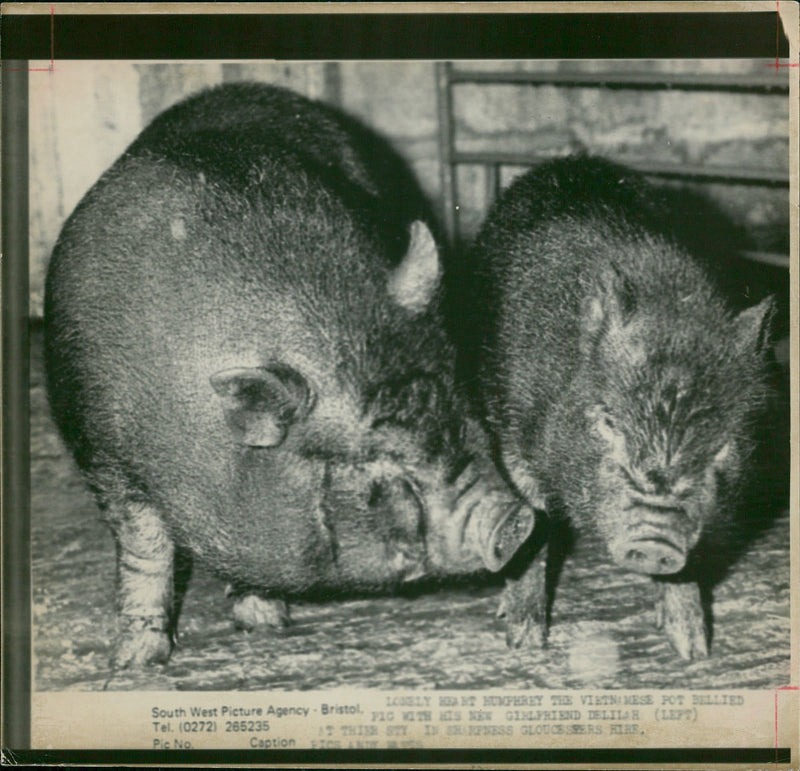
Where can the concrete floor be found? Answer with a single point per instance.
(602, 633)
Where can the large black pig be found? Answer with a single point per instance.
(619, 387)
(245, 354)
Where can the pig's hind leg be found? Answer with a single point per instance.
(679, 612)
(145, 591)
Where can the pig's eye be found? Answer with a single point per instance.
(376, 494)
(602, 423)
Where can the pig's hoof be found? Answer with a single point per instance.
(680, 614)
(142, 641)
(688, 636)
(523, 628)
(525, 632)
(252, 611)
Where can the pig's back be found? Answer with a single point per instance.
(257, 117)
(180, 263)
(538, 258)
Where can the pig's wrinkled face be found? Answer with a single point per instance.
(665, 434)
(417, 496)
(670, 386)
(655, 491)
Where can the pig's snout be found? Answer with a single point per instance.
(476, 521)
(495, 524)
(655, 556)
(657, 542)
(509, 533)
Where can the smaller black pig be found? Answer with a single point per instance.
(617, 384)
(245, 354)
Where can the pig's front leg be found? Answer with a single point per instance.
(523, 605)
(679, 612)
(252, 610)
(145, 585)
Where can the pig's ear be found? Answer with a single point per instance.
(752, 326)
(260, 403)
(413, 283)
(612, 301)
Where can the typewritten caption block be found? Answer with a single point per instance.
(396, 720)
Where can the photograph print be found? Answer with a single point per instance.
(410, 375)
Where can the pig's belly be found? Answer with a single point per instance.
(285, 524)
(256, 520)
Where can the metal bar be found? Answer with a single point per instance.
(492, 182)
(444, 99)
(773, 178)
(16, 401)
(634, 80)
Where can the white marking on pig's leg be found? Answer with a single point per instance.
(679, 612)
(523, 605)
(252, 611)
(145, 585)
